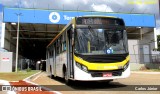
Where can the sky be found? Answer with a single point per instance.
(127, 6)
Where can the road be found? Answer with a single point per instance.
(127, 86)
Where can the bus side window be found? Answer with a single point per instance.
(60, 44)
(57, 48)
(64, 46)
(64, 41)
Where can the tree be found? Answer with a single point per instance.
(158, 42)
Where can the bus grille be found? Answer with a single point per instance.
(100, 74)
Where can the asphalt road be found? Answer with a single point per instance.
(136, 83)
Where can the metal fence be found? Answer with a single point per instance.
(145, 58)
(156, 59)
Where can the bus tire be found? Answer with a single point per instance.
(51, 76)
(67, 81)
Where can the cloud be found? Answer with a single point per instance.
(101, 7)
(88, 5)
(111, 5)
(85, 1)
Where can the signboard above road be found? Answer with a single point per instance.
(63, 17)
(1, 6)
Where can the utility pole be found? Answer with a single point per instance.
(17, 45)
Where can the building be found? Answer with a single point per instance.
(37, 27)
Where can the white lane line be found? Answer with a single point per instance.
(37, 77)
(31, 76)
(47, 89)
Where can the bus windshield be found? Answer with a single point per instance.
(90, 41)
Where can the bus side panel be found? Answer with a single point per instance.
(60, 60)
(54, 61)
(51, 64)
(57, 65)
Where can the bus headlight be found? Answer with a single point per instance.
(82, 67)
(125, 66)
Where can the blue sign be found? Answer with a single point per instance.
(63, 17)
(1, 7)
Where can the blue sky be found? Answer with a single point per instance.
(129, 6)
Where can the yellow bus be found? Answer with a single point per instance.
(90, 48)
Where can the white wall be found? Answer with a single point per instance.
(133, 46)
(148, 39)
(6, 61)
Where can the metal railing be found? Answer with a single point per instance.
(145, 58)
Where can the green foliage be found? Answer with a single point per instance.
(158, 42)
(28, 69)
(16, 76)
(18, 69)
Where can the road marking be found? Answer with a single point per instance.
(31, 76)
(37, 77)
(48, 89)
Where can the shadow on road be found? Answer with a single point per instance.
(96, 85)
(87, 85)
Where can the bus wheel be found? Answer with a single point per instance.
(67, 81)
(51, 76)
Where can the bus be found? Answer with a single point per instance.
(90, 48)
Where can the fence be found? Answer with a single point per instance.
(145, 58)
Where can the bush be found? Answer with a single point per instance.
(28, 69)
(18, 69)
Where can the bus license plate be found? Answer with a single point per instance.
(107, 74)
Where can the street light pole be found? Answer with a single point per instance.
(17, 45)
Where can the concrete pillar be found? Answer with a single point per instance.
(155, 38)
(3, 35)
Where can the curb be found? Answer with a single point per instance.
(140, 72)
(28, 81)
(50, 90)
(31, 76)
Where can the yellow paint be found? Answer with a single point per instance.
(145, 2)
(89, 47)
(101, 66)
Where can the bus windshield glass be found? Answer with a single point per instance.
(90, 41)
